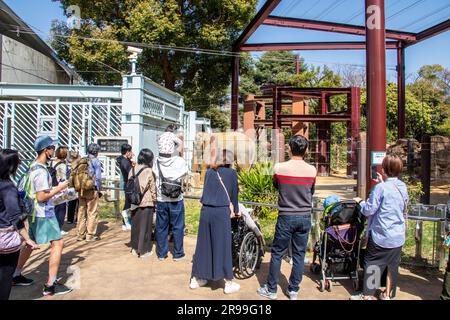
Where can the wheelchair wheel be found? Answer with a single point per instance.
(248, 255)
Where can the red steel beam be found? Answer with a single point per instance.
(333, 27)
(433, 31)
(262, 14)
(315, 117)
(288, 46)
(235, 93)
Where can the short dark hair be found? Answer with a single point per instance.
(125, 148)
(392, 165)
(145, 157)
(171, 128)
(9, 162)
(61, 153)
(298, 145)
(93, 149)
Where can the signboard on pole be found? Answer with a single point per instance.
(377, 157)
(110, 146)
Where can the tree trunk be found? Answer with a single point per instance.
(169, 78)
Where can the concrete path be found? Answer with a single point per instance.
(106, 270)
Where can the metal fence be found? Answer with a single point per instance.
(75, 124)
(423, 245)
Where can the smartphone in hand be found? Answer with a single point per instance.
(373, 172)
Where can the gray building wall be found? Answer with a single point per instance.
(23, 64)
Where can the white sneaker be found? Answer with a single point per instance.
(146, 255)
(63, 233)
(231, 287)
(134, 253)
(197, 283)
(124, 228)
(128, 227)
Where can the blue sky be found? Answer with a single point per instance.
(408, 15)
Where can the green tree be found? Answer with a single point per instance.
(202, 79)
(432, 87)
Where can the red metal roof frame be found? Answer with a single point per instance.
(263, 17)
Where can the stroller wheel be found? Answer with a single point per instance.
(329, 286)
(325, 285)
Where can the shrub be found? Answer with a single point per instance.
(257, 186)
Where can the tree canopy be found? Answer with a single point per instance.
(202, 79)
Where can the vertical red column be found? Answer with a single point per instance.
(401, 91)
(235, 93)
(376, 85)
(353, 127)
(324, 136)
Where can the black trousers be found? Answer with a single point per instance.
(141, 229)
(8, 263)
(72, 210)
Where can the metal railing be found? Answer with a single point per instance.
(417, 213)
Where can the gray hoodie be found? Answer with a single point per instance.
(173, 168)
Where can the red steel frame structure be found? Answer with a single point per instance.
(323, 119)
(375, 46)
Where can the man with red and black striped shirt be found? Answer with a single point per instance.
(295, 180)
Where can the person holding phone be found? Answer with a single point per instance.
(386, 229)
(213, 257)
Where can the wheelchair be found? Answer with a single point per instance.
(247, 248)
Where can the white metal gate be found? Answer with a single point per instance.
(75, 124)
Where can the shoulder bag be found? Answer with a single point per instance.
(228, 196)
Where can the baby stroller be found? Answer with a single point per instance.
(247, 244)
(338, 249)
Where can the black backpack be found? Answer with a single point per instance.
(133, 192)
(52, 171)
(170, 188)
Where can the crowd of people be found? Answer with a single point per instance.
(154, 205)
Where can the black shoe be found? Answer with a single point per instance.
(22, 281)
(56, 289)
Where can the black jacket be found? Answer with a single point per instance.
(10, 214)
(125, 167)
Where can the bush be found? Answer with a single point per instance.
(415, 189)
(257, 186)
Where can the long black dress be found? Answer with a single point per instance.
(213, 257)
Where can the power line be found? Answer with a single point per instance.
(426, 17)
(313, 6)
(330, 9)
(401, 11)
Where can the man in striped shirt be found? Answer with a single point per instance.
(295, 180)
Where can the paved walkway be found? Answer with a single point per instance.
(108, 271)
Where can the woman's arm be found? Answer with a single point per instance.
(10, 198)
(371, 206)
(152, 187)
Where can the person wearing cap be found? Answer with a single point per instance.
(44, 228)
(88, 203)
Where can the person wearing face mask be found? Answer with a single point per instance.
(44, 227)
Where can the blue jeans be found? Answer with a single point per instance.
(294, 230)
(169, 213)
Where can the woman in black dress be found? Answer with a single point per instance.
(213, 258)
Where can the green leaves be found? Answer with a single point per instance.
(256, 185)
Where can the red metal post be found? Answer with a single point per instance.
(353, 127)
(401, 92)
(376, 84)
(235, 93)
(324, 136)
(297, 64)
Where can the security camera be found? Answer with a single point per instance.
(134, 50)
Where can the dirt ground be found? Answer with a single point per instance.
(108, 271)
